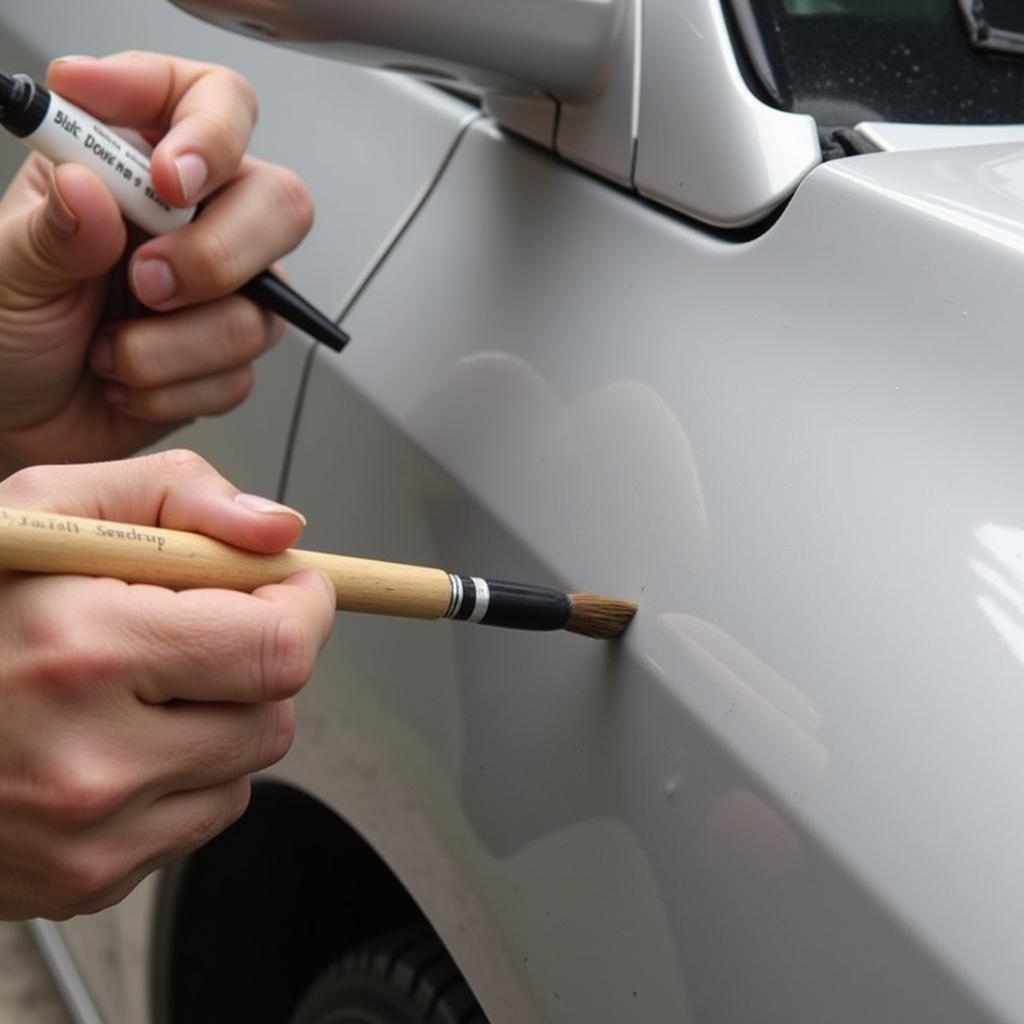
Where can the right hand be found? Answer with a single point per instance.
(131, 716)
(89, 370)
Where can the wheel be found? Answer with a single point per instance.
(404, 977)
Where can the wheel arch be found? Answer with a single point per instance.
(245, 923)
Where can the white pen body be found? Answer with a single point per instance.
(68, 134)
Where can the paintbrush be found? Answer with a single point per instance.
(48, 542)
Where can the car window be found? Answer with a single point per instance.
(845, 61)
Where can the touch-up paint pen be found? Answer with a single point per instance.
(53, 543)
(64, 133)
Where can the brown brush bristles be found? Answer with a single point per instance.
(602, 618)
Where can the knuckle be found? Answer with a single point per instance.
(43, 632)
(111, 897)
(135, 360)
(227, 134)
(280, 733)
(243, 88)
(213, 820)
(292, 199)
(87, 872)
(31, 483)
(232, 389)
(155, 404)
(230, 803)
(84, 789)
(236, 801)
(70, 655)
(183, 462)
(230, 748)
(239, 387)
(200, 829)
(244, 331)
(286, 657)
(213, 262)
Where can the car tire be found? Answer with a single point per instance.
(405, 977)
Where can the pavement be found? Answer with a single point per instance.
(27, 995)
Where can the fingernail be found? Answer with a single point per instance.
(254, 503)
(154, 281)
(101, 357)
(57, 209)
(192, 174)
(72, 57)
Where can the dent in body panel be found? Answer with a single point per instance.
(525, 754)
(409, 703)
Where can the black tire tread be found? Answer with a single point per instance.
(413, 965)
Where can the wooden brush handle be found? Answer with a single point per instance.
(53, 543)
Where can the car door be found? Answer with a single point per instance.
(772, 800)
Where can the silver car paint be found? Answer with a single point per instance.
(546, 46)
(788, 795)
(902, 137)
(705, 144)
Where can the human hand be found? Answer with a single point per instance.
(105, 347)
(130, 715)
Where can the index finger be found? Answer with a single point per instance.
(227, 647)
(176, 489)
(205, 113)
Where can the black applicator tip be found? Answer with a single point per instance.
(8, 90)
(270, 291)
(23, 104)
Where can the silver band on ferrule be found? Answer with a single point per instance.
(470, 598)
(483, 599)
(455, 601)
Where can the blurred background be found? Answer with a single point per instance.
(27, 995)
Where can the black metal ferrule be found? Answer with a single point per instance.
(23, 104)
(519, 606)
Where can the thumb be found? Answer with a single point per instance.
(177, 489)
(72, 234)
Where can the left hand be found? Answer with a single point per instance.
(105, 347)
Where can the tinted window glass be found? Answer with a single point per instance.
(875, 8)
(845, 61)
(1002, 14)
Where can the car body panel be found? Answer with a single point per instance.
(785, 784)
(890, 136)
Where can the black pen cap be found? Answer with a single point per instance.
(23, 104)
